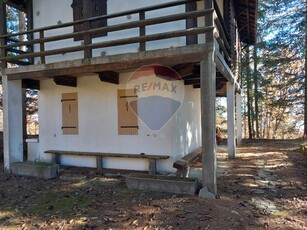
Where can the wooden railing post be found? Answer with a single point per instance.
(142, 31)
(42, 46)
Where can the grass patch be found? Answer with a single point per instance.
(63, 203)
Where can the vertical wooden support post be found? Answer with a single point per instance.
(142, 31)
(3, 31)
(42, 46)
(208, 92)
(239, 119)
(208, 126)
(99, 163)
(87, 37)
(152, 166)
(231, 145)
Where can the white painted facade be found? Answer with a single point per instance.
(98, 127)
(47, 13)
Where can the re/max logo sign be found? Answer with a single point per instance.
(155, 86)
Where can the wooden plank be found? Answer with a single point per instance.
(109, 76)
(168, 56)
(127, 117)
(20, 63)
(113, 28)
(118, 42)
(66, 81)
(186, 69)
(193, 155)
(70, 113)
(192, 82)
(102, 154)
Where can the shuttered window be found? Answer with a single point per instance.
(127, 112)
(95, 8)
(70, 113)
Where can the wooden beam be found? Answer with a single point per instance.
(185, 69)
(169, 57)
(109, 76)
(66, 81)
(30, 84)
(192, 81)
(192, 76)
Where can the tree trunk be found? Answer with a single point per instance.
(249, 104)
(305, 78)
(256, 117)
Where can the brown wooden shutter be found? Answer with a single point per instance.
(70, 113)
(127, 118)
(77, 6)
(96, 8)
(191, 23)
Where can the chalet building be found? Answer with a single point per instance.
(83, 57)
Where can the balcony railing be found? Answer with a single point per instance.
(37, 47)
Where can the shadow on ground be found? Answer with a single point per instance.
(265, 187)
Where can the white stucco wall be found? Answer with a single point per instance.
(48, 13)
(12, 127)
(98, 129)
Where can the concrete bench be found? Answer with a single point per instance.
(182, 164)
(152, 159)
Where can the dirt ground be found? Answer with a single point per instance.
(265, 187)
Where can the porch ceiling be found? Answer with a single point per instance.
(246, 13)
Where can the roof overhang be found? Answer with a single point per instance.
(246, 14)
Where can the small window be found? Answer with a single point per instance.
(70, 113)
(95, 8)
(127, 112)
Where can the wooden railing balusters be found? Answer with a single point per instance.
(142, 30)
(42, 47)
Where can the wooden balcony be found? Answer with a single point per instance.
(31, 57)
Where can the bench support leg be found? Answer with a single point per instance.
(183, 172)
(152, 166)
(99, 163)
(56, 159)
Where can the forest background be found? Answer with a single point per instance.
(273, 76)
